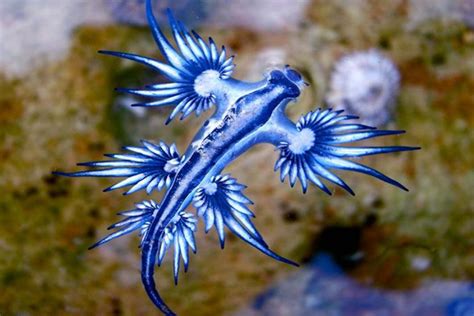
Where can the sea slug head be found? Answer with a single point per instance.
(290, 78)
(294, 77)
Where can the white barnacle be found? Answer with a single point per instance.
(365, 84)
(206, 83)
(302, 142)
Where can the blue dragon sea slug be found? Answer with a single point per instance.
(245, 114)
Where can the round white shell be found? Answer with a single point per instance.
(365, 84)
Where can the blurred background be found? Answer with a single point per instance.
(382, 252)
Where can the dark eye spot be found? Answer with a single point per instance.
(293, 75)
(276, 76)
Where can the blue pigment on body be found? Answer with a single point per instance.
(245, 114)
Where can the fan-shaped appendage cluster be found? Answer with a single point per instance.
(222, 204)
(150, 167)
(317, 150)
(138, 218)
(179, 234)
(194, 68)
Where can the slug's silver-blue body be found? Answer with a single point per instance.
(246, 114)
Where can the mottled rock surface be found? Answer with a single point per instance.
(322, 288)
(61, 109)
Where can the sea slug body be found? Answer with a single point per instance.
(245, 114)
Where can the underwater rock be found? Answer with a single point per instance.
(461, 307)
(322, 288)
(263, 15)
(457, 10)
(264, 61)
(132, 12)
(128, 12)
(365, 84)
(47, 25)
(464, 11)
(123, 102)
(420, 263)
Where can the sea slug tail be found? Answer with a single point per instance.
(148, 270)
(179, 232)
